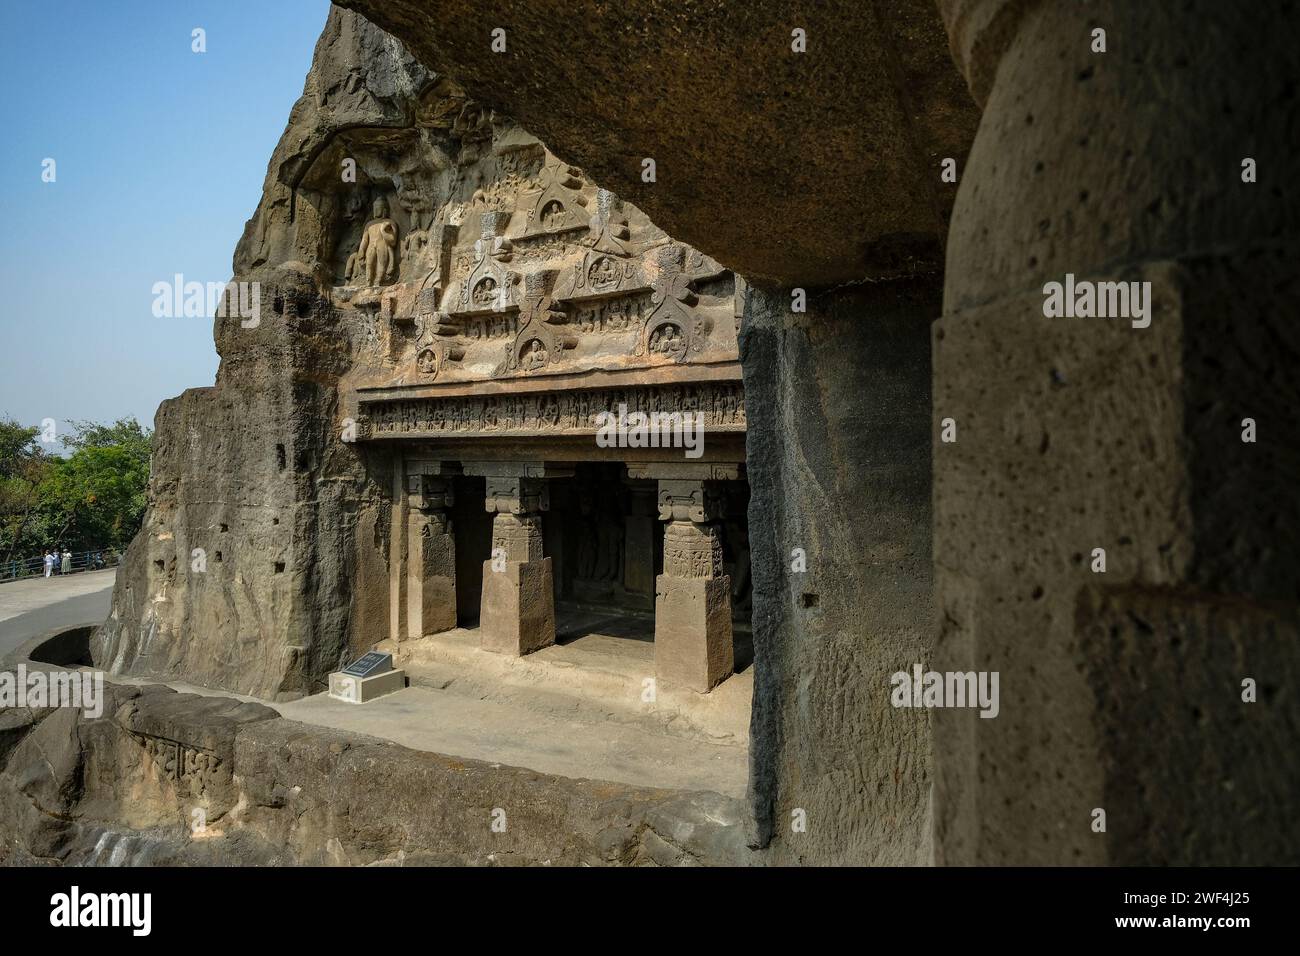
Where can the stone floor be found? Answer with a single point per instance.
(580, 708)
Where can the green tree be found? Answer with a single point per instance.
(98, 494)
(24, 467)
(94, 498)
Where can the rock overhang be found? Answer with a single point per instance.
(833, 176)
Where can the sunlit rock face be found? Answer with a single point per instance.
(420, 270)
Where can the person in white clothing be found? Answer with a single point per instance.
(49, 563)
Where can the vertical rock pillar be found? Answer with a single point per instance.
(639, 541)
(1114, 499)
(430, 551)
(517, 614)
(693, 596)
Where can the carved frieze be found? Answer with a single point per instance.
(193, 769)
(722, 405)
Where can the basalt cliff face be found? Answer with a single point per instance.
(263, 563)
(243, 576)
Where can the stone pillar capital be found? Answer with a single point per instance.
(429, 492)
(517, 487)
(689, 499)
(517, 496)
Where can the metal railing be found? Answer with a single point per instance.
(18, 568)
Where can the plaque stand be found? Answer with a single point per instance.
(369, 677)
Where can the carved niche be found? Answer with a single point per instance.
(434, 333)
(607, 266)
(375, 261)
(540, 340)
(559, 205)
(673, 329)
(489, 285)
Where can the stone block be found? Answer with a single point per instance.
(431, 570)
(693, 631)
(518, 609)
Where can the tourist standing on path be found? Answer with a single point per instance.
(67, 562)
(49, 563)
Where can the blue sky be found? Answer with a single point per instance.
(160, 154)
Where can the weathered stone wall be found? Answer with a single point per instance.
(1122, 690)
(839, 466)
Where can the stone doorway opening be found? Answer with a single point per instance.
(473, 535)
(605, 538)
(597, 534)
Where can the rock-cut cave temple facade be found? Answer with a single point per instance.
(461, 267)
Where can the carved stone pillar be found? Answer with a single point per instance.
(430, 552)
(693, 646)
(517, 615)
(397, 546)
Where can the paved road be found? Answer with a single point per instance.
(36, 605)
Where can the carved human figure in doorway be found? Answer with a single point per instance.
(376, 257)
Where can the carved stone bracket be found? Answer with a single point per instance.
(689, 500)
(429, 485)
(517, 488)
